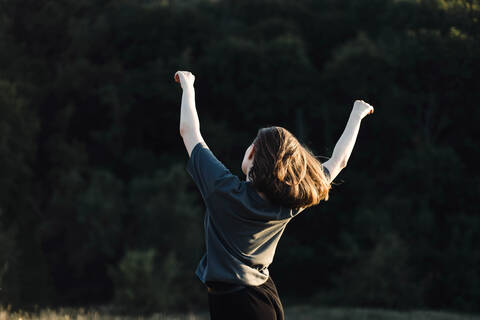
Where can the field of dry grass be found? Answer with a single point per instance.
(292, 313)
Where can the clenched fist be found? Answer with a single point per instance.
(186, 78)
(362, 108)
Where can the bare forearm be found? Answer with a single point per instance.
(343, 148)
(189, 122)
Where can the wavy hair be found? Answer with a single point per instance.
(286, 171)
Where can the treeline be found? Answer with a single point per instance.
(96, 206)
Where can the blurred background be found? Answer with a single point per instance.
(96, 206)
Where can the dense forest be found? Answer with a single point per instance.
(96, 206)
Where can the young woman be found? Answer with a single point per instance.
(244, 220)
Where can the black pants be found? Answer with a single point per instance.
(250, 303)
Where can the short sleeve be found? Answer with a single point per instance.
(327, 173)
(208, 172)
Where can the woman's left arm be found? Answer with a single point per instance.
(189, 123)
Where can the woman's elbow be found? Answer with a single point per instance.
(186, 130)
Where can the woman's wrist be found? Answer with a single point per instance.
(355, 114)
(189, 88)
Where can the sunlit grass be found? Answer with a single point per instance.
(91, 314)
(292, 313)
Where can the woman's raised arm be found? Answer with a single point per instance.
(189, 123)
(343, 148)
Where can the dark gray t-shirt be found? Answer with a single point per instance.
(241, 228)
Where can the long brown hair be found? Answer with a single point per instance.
(286, 171)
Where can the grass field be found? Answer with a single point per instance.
(292, 313)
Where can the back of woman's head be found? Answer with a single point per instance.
(286, 171)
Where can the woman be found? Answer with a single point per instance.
(244, 220)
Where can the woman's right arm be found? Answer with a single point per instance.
(343, 148)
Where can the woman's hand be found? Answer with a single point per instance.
(361, 108)
(186, 79)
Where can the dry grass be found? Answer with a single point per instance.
(91, 314)
(292, 313)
